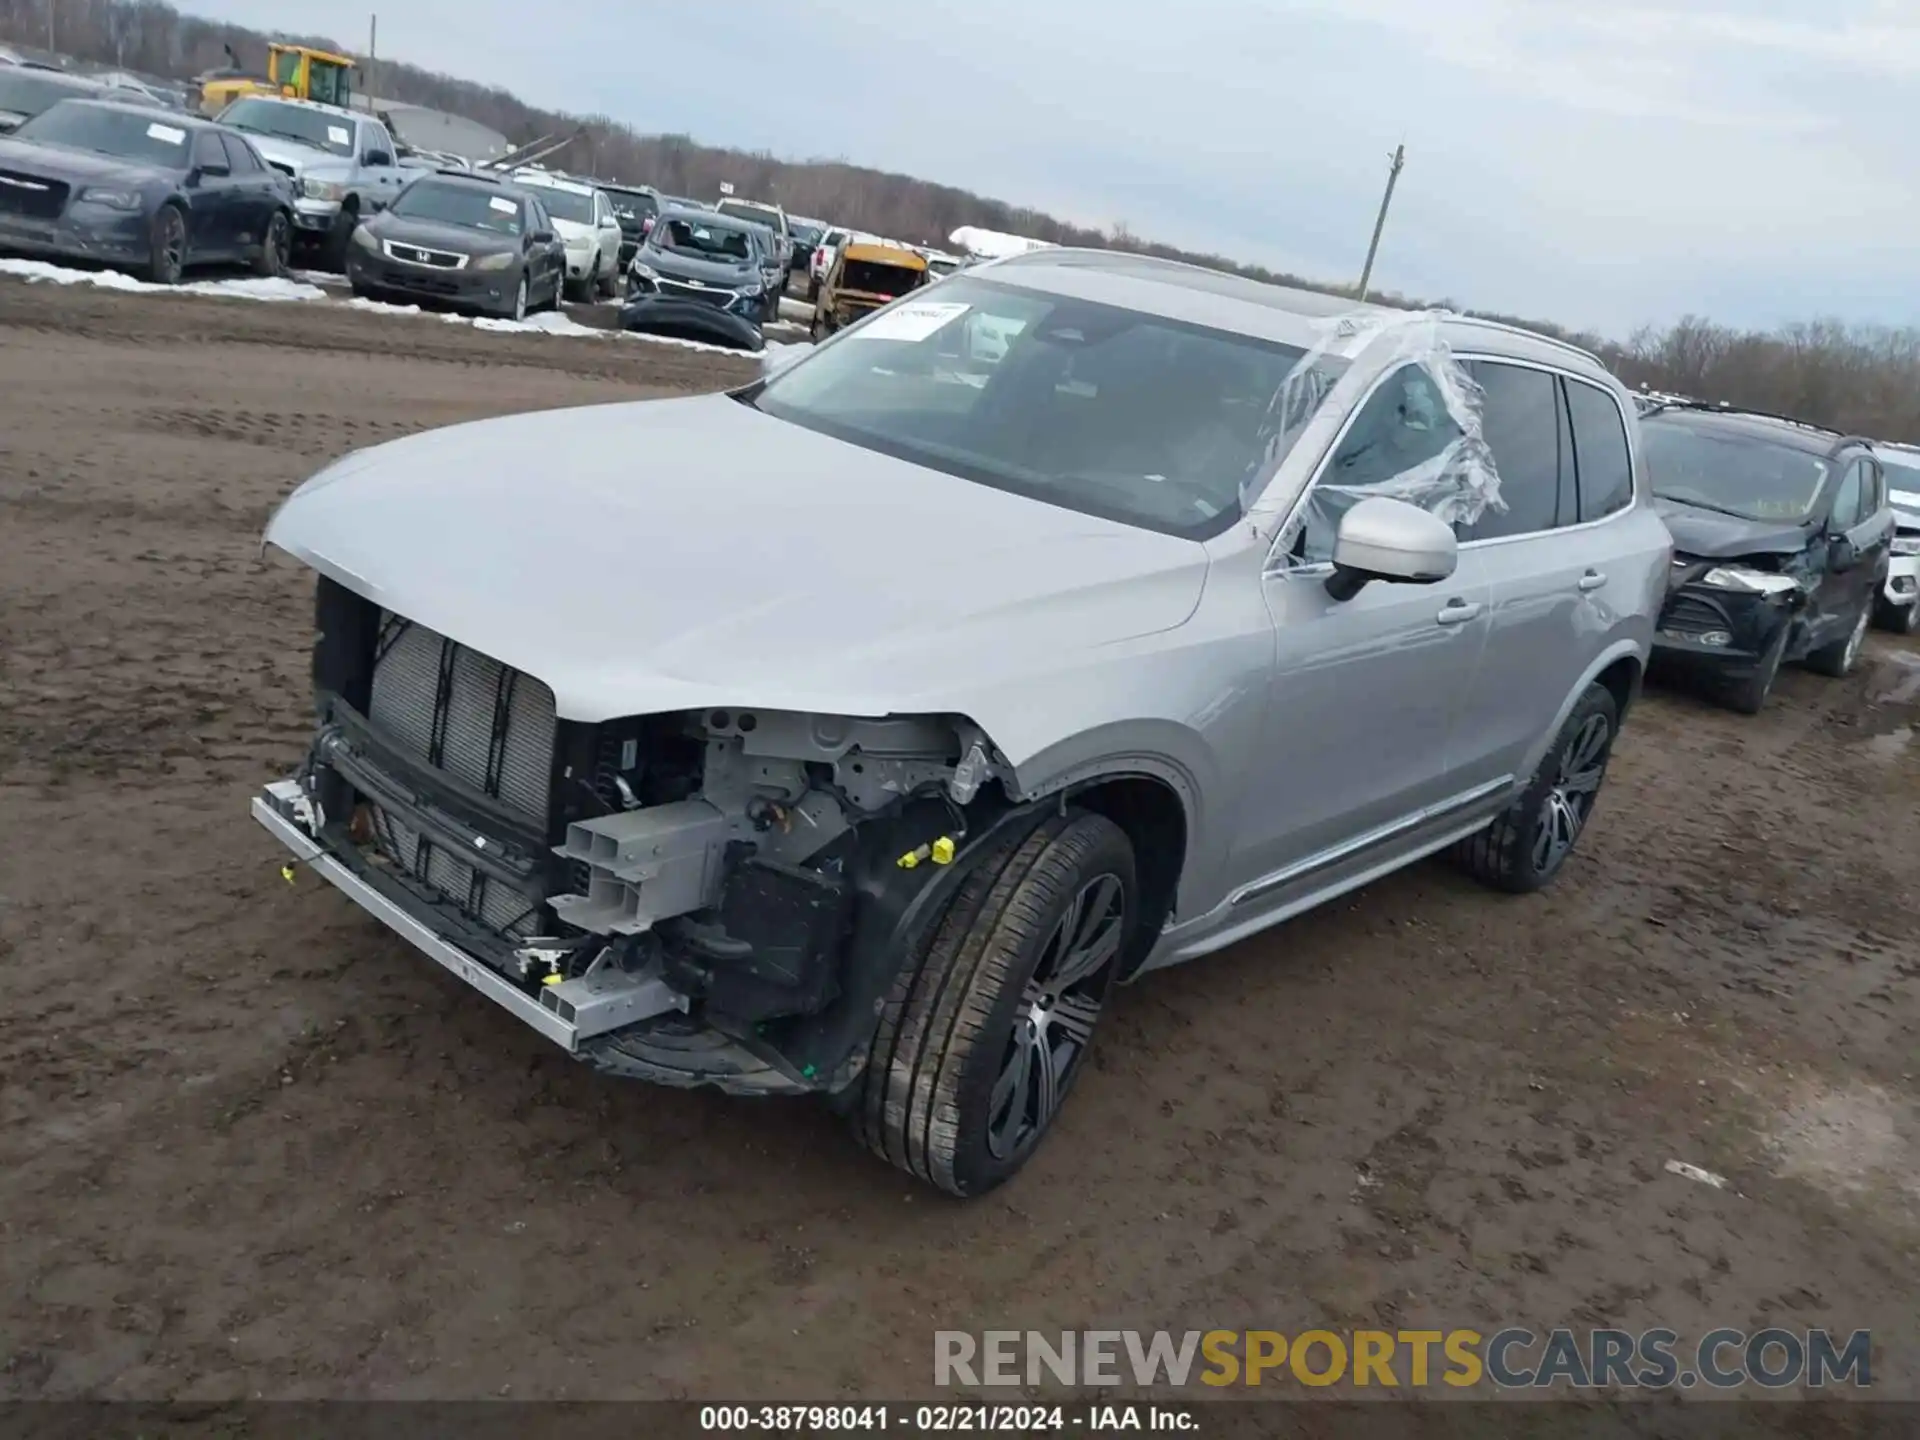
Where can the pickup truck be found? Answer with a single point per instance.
(343, 165)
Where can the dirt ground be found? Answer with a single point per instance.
(252, 1145)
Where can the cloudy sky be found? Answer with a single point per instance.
(1601, 164)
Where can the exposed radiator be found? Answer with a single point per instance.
(466, 714)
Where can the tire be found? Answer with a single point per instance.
(608, 285)
(1900, 619)
(1838, 659)
(950, 1093)
(1749, 695)
(276, 247)
(815, 331)
(1526, 847)
(518, 310)
(167, 246)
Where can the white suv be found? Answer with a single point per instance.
(583, 218)
(1899, 608)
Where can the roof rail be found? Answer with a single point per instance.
(1727, 407)
(1511, 329)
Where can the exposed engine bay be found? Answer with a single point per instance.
(697, 869)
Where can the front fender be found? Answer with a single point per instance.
(1624, 648)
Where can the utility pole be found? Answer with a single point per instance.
(373, 52)
(1373, 246)
(52, 48)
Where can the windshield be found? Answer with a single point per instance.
(632, 207)
(569, 205)
(80, 126)
(702, 240)
(460, 205)
(1112, 412)
(317, 128)
(746, 210)
(1743, 475)
(26, 92)
(1903, 481)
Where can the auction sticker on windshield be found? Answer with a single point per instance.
(173, 135)
(505, 207)
(911, 322)
(339, 135)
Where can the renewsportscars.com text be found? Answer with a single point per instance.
(1512, 1358)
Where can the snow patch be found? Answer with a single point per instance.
(279, 289)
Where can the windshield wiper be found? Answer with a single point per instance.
(1703, 505)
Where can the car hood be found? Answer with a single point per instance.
(1714, 536)
(406, 230)
(676, 554)
(304, 159)
(75, 167)
(707, 272)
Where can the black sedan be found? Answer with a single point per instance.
(463, 239)
(124, 184)
(698, 275)
(1782, 536)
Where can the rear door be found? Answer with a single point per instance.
(255, 194)
(1560, 449)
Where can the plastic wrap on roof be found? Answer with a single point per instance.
(993, 244)
(1415, 438)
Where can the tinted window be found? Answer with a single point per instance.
(207, 149)
(1403, 424)
(140, 136)
(1849, 507)
(1091, 407)
(1600, 451)
(1519, 420)
(1876, 488)
(28, 92)
(240, 155)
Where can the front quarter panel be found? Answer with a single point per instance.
(1185, 707)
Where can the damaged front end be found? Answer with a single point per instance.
(710, 897)
(1730, 614)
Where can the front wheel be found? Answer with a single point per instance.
(985, 1030)
(1838, 659)
(1524, 849)
(1749, 695)
(167, 246)
(339, 237)
(519, 310)
(1900, 619)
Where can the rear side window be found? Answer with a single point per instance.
(1600, 450)
(207, 149)
(1520, 421)
(240, 155)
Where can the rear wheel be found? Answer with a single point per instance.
(986, 1029)
(276, 247)
(1524, 849)
(167, 254)
(1839, 658)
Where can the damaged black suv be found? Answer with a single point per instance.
(1782, 535)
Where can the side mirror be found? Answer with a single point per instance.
(378, 157)
(542, 237)
(1390, 540)
(1841, 555)
(213, 169)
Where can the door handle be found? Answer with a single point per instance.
(1458, 612)
(1592, 580)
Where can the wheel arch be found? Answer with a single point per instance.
(1620, 668)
